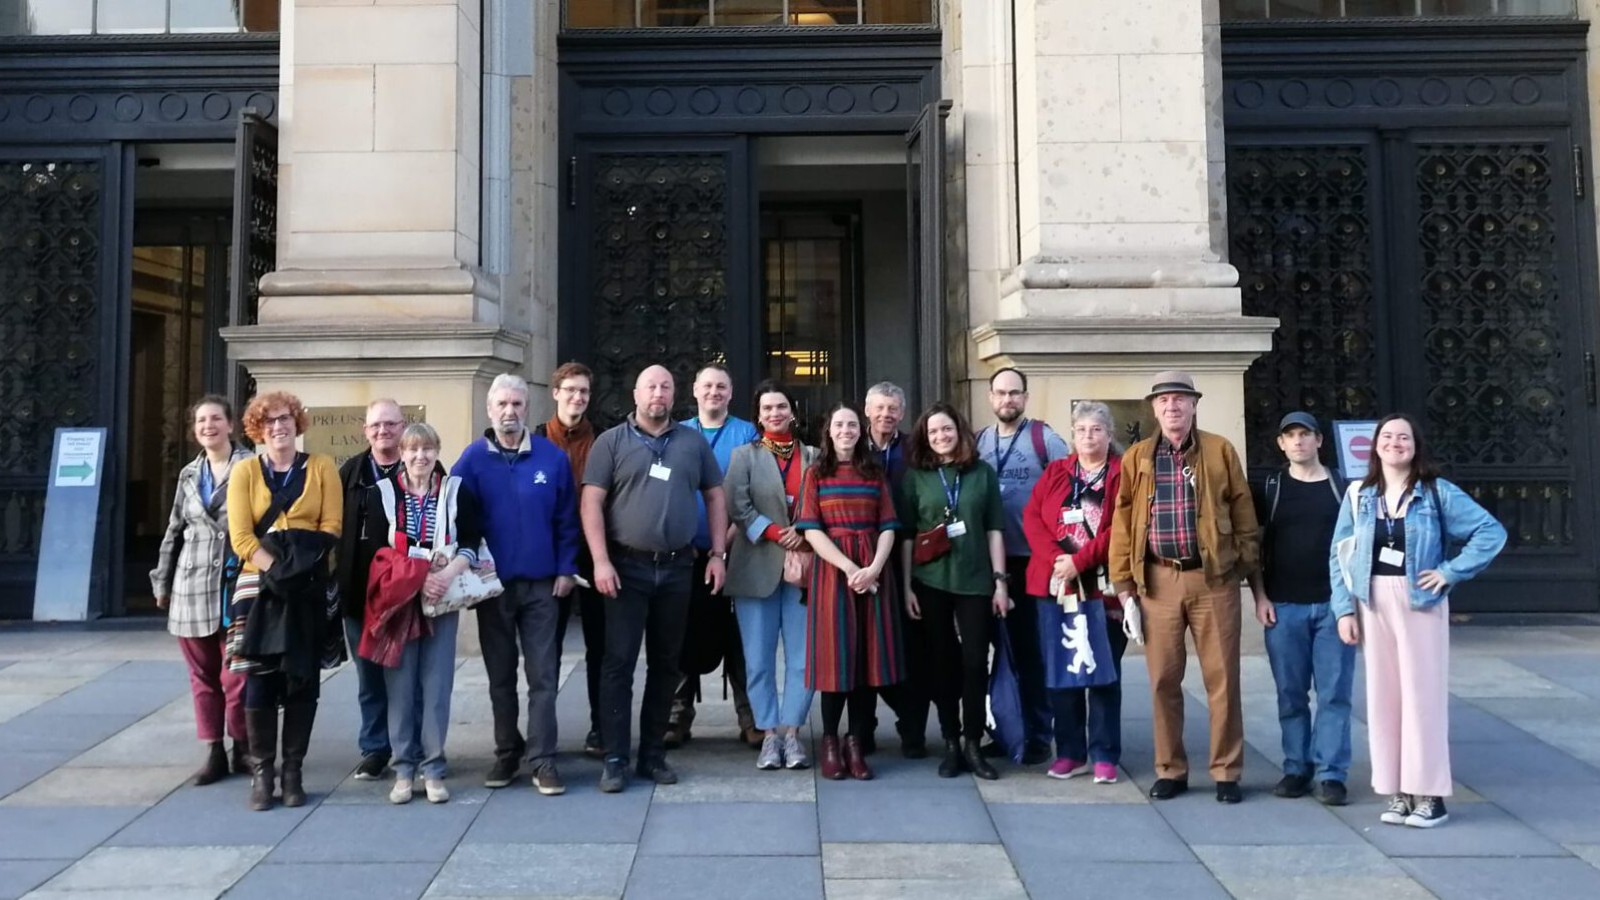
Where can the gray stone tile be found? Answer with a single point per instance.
(523, 816)
(1489, 677)
(741, 787)
(212, 869)
(13, 705)
(916, 862)
(125, 786)
(39, 731)
(335, 881)
(903, 814)
(1034, 835)
(675, 877)
(24, 766)
(416, 832)
(107, 694)
(152, 670)
(1347, 872)
(530, 870)
(924, 889)
(213, 815)
(1589, 853)
(1474, 829)
(165, 738)
(734, 829)
(58, 833)
(1261, 819)
(1566, 813)
(1128, 880)
(1472, 723)
(1510, 879)
(17, 877)
(1486, 766)
(1037, 788)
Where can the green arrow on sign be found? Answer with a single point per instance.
(81, 471)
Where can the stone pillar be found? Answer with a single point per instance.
(379, 289)
(1120, 210)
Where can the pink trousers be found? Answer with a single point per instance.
(1407, 653)
(218, 691)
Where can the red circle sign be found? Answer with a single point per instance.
(1361, 447)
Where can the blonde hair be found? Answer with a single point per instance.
(420, 433)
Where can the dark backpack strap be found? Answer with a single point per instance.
(1274, 487)
(280, 499)
(1036, 430)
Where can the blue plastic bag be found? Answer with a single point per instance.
(1075, 646)
(1008, 725)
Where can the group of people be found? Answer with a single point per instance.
(878, 563)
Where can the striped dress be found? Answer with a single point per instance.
(851, 639)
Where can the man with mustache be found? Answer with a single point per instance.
(639, 518)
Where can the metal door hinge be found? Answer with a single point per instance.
(572, 182)
(1577, 171)
(1588, 378)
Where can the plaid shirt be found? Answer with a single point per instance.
(1172, 529)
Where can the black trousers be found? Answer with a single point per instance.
(1022, 623)
(525, 615)
(959, 628)
(652, 608)
(274, 689)
(592, 617)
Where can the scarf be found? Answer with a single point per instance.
(575, 442)
(781, 445)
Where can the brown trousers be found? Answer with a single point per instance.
(1179, 602)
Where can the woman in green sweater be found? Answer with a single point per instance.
(955, 573)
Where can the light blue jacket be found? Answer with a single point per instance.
(1464, 521)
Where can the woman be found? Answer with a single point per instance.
(1068, 524)
(282, 620)
(763, 489)
(1390, 561)
(187, 582)
(953, 497)
(853, 630)
(419, 688)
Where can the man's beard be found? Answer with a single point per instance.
(1009, 414)
(655, 412)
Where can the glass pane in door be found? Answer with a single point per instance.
(810, 275)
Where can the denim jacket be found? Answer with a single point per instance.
(1464, 521)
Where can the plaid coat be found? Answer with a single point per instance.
(189, 567)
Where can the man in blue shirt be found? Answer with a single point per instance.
(713, 633)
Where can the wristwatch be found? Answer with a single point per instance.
(722, 556)
(1001, 577)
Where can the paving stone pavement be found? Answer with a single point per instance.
(97, 742)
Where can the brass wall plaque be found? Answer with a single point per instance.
(339, 430)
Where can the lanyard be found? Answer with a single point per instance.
(422, 511)
(661, 451)
(951, 494)
(715, 437)
(1388, 520)
(276, 481)
(381, 472)
(1080, 486)
(1000, 461)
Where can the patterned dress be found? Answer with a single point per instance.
(851, 639)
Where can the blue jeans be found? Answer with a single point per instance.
(1088, 721)
(1304, 649)
(762, 620)
(373, 736)
(419, 715)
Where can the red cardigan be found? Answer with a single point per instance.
(1043, 512)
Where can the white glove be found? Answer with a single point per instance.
(1132, 620)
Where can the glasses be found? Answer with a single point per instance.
(1088, 430)
(285, 419)
(574, 391)
(386, 425)
(1010, 395)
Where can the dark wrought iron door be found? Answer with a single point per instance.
(663, 239)
(925, 174)
(255, 231)
(59, 257)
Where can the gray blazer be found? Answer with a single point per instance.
(754, 487)
(189, 565)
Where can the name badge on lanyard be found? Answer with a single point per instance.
(660, 472)
(1072, 517)
(955, 529)
(1389, 556)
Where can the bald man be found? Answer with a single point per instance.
(640, 518)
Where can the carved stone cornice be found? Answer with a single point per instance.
(318, 351)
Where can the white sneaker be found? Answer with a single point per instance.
(1399, 809)
(437, 792)
(401, 792)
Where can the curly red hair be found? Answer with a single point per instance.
(255, 415)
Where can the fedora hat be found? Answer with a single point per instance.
(1173, 381)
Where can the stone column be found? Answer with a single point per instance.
(1120, 210)
(378, 289)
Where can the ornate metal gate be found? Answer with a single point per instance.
(1427, 244)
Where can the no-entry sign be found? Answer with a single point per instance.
(1353, 437)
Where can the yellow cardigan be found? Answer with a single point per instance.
(320, 506)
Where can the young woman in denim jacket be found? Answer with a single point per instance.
(1390, 537)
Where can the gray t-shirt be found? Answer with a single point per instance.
(1016, 458)
(642, 511)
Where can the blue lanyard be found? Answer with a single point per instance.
(1080, 486)
(951, 495)
(1388, 522)
(276, 481)
(661, 451)
(1000, 461)
(716, 436)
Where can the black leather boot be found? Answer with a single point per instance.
(972, 755)
(297, 720)
(952, 764)
(262, 725)
(215, 767)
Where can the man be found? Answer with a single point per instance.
(639, 519)
(571, 430)
(530, 522)
(1298, 508)
(379, 461)
(885, 409)
(713, 632)
(1182, 537)
(1019, 448)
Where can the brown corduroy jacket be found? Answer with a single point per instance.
(1225, 517)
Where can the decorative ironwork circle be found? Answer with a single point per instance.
(750, 101)
(660, 102)
(1525, 91)
(1339, 93)
(1480, 91)
(82, 108)
(38, 109)
(127, 108)
(173, 107)
(704, 101)
(1249, 94)
(1294, 94)
(796, 100)
(266, 104)
(617, 103)
(840, 99)
(1387, 93)
(216, 107)
(884, 99)
(1434, 92)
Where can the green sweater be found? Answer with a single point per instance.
(966, 569)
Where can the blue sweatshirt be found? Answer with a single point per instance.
(530, 505)
(734, 431)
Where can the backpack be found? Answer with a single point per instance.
(1040, 451)
(1274, 486)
